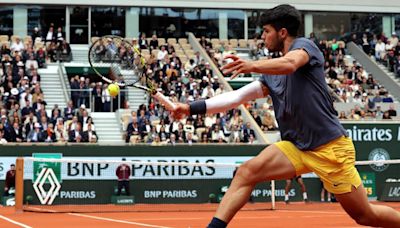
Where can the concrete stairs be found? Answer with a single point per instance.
(396, 80)
(51, 86)
(80, 53)
(108, 128)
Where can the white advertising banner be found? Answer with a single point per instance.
(172, 168)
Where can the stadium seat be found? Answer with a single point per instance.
(234, 42)
(3, 38)
(243, 43)
(171, 41)
(182, 41)
(186, 46)
(94, 39)
(224, 41)
(161, 41)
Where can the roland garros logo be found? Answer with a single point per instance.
(379, 154)
(46, 175)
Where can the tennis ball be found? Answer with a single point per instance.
(113, 89)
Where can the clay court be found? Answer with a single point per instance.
(292, 215)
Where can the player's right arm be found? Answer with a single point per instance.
(222, 102)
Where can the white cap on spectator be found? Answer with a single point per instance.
(205, 78)
(172, 92)
(394, 34)
(215, 77)
(365, 94)
(82, 79)
(6, 94)
(20, 64)
(37, 125)
(190, 98)
(172, 64)
(207, 63)
(99, 83)
(186, 72)
(3, 116)
(83, 106)
(26, 78)
(14, 91)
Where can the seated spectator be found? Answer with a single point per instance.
(4, 50)
(387, 98)
(386, 116)
(90, 135)
(64, 51)
(392, 111)
(59, 36)
(35, 134)
(17, 46)
(342, 115)
(50, 35)
(41, 57)
(52, 51)
(189, 139)
(143, 41)
(15, 133)
(132, 130)
(76, 134)
(61, 133)
(2, 138)
(31, 63)
(49, 134)
(69, 111)
(217, 134)
(246, 132)
(156, 141)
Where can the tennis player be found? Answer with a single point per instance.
(313, 140)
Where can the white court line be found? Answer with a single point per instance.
(15, 222)
(315, 212)
(117, 220)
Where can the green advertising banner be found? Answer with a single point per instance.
(368, 179)
(38, 165)
(376, 141)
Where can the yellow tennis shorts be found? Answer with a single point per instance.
(332, 162)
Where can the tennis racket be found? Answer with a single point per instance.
(115, 60)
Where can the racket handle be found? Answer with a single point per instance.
(165, 101)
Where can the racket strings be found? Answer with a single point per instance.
(119, 56)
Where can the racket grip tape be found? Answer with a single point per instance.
(164, 101)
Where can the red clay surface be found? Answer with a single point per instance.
(293, 215)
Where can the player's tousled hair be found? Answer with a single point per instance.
(283, 16)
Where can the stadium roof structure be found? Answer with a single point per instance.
(383, 6)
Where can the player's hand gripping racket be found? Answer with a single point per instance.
(116, 61)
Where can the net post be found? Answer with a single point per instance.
(273, 194)
(19, 185)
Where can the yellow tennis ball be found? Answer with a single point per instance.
(113, 89)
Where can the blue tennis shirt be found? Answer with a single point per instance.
(302, 103)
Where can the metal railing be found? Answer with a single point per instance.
(88, 99)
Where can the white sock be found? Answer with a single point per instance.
(322, 200)
(329, 199)
(286, 197)
(305, 195)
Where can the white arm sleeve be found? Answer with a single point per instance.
(232, 99)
